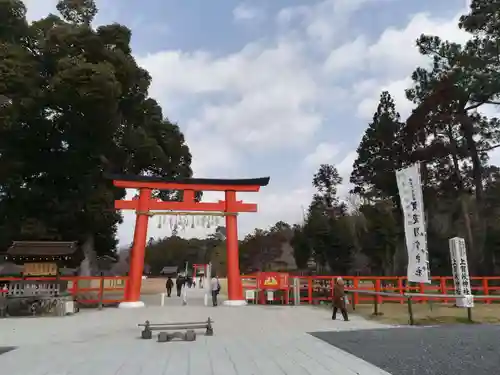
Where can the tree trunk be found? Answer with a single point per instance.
(476, 251)
(461, 193)
(88, 267)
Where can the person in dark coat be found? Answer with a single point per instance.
(170, 285)
(339, 297)
(179, 283)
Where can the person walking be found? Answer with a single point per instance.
(178, 283)
(169, 285)
(339, 299)
(215, 288)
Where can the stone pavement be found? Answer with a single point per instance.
(248, 340)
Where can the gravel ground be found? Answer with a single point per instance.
(445, 350)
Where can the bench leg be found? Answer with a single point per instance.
(209, 331)
(147, 334)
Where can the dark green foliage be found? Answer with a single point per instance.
(380, 153)
(78, 106)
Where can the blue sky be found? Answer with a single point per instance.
(276, 87)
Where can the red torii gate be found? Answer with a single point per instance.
(145, 204)
(197, 267)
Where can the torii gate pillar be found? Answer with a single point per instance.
(234, 287)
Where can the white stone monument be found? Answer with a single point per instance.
(460, 268)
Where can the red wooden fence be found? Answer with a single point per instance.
(314, 289)
(95, 292)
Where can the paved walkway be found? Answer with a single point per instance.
(248, 340)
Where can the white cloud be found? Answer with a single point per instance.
(246, 12)
(325, 21)
(271, 92)
(347, 57)
(394, 56)
(37, 9)
(292, 203)
(397, 88)
(324, 153)
(276, 94)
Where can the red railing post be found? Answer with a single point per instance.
(355, 283)
(401, 289)
(486, 289)
(421, 289)
(309, 290)
(442, 287)
(332, 286)
(75, 287)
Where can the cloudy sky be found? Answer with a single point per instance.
(274, 87)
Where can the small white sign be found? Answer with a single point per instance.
(250, 295)
(460, 270)
(270, 296)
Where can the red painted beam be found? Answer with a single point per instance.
(177, 186)
(189, 206)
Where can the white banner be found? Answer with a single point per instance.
(412, 202)
(460, 269)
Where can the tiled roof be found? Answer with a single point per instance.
(42, 248)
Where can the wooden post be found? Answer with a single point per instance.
(469, 314)
(375, 305)
(410, 311)
(378, 288)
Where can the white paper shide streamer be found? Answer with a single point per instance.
(412, 202)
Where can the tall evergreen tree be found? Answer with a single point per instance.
(380, 153)
(79, 108)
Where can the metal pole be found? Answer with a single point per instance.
(184, 295)
(296, 291)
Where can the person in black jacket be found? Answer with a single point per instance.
(179, 282)
(170, 285)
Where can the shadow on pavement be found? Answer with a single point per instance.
(5, 349)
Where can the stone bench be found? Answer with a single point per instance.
(149, 327)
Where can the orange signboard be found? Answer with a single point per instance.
(273, 280)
